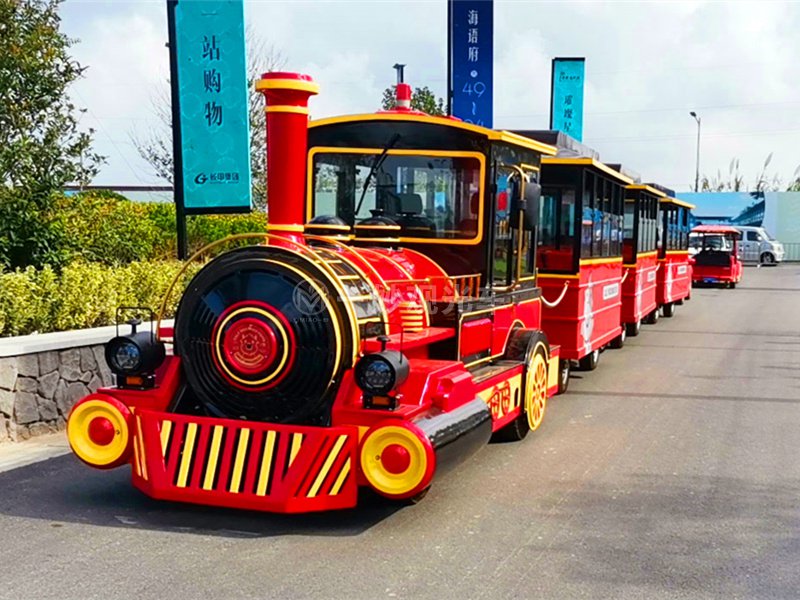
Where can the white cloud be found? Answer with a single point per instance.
(648, 64)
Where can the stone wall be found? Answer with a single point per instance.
(37, 390)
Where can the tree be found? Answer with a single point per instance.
(155, 146)
(41, 146)
(422, 98)
(734, 181)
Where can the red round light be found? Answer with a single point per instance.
(101, 431)
(395, 459)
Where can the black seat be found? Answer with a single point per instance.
(411, 218)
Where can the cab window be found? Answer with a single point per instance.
(428, 196)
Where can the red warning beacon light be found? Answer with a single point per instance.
(385, 328)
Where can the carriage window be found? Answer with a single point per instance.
(428, 196)
(556, 244)
(587, 216)
(503, 224)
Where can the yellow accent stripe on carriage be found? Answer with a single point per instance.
(340, 480)
(216, 438)
(266, 463)
(326, 467)
(301, 85)
(166, 427)
(238, 464)
(297, 442)
(136, 459)
(188, 453)
(140, 440)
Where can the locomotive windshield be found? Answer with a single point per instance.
(430, 195)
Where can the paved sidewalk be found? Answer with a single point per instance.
(20, 454)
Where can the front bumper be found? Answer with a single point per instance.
(244, 465)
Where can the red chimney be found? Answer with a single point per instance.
(287, 97)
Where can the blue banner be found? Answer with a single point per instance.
(566, 95)
(471, 51)
(213, 102)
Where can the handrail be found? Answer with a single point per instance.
(624, 277)
(560, 298)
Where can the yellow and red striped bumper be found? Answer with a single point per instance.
(245, 465)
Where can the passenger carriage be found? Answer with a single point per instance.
(640, 256)
(675, 269)
(716, 259)
(580, 256)
(384, 328)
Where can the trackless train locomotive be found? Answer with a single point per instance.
(389, 323)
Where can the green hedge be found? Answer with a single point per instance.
(83, 294)
(104, 227)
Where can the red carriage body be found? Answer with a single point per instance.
(384, 328)
(675, 269)
(640, 257)
(580, 256)
(717, 255)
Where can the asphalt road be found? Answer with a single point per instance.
(673, 471)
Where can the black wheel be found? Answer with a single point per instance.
(619, 341)
(652, 318)
(633, 329)
(679, 302)
(530, 346)
(767, 259)
(589, 362)
(668, 309)
(732, 285)
(564, 368)
(416, 499)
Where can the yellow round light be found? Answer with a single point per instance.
(88, 450)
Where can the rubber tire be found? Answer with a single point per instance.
(564, 369)
(668, 310)
(770, 259)
(679, 302)
(633, 329)
(589, 362)
(652, 318)
(732, 285)
(619, 341)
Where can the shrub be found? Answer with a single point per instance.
(84, 294)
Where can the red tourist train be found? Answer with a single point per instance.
(716, 258)
(675, 269)
(390, 322)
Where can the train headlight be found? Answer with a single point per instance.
(380, 373)
(133, 358)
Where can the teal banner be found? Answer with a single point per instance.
(213, 105)
(566, 96)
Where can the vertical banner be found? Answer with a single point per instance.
(471, 49)
(566, 96)
(210, 97)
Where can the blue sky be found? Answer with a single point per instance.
(648, 65)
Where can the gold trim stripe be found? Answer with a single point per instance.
(301, 85)
(238, 464)
(188, 453)
(326, 467)
(266, 463)
(337, 486)
(285, 108)
(142, 457)
(213, 456)
(166, 428)
(297, 442)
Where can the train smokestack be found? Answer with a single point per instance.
(286, 96)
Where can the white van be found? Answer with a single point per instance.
(759, 246)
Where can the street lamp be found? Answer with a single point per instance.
(697, 165)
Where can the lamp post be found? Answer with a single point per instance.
(697, 164)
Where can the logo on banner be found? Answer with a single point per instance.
(566, 96)
(610, 291)
(472, 49)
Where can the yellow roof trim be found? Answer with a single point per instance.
(671, 200)
(492, 134)
(589, 162)
(647, 188)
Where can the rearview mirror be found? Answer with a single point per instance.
(530, 205)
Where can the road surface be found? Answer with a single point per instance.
(673, 471)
